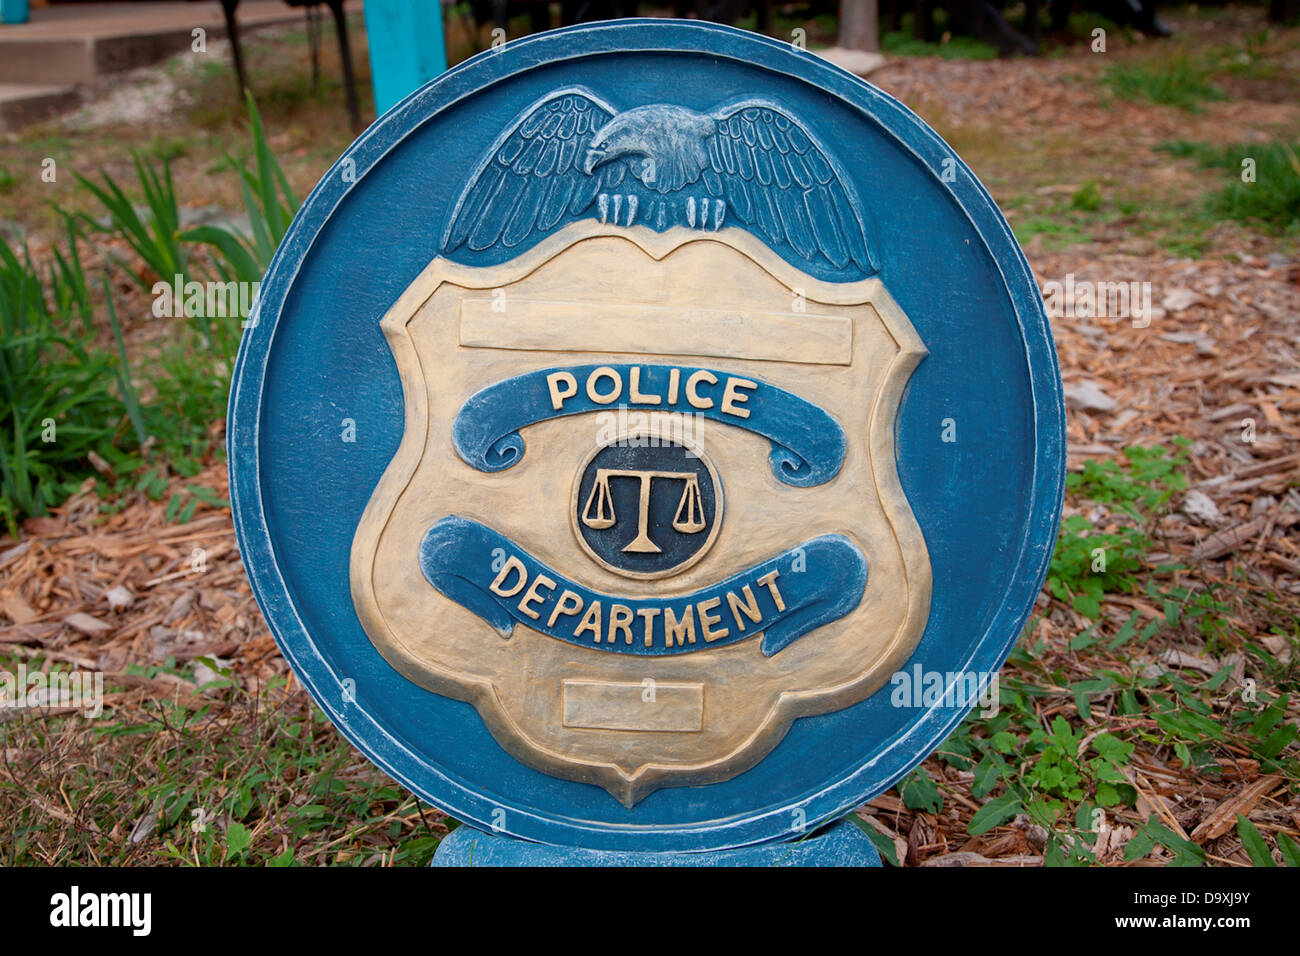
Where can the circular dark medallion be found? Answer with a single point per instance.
(646, 507)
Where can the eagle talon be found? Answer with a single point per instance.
(610, 207)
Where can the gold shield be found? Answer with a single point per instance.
(600, 294)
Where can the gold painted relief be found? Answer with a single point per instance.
(611, 610)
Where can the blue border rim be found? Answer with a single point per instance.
(489, 68)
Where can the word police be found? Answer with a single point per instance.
(605, 386)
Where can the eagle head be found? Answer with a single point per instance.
(665, 147)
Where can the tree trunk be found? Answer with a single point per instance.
(859, 29)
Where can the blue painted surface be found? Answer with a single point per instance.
(14, 11)
(406, 47)
(572, 155)
(988, 504)
(807, 443)
(828, 587)
(843, 844)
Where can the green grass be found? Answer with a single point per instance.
(56, 381)
(151, 236)
(1252, 60)
(823, 29)
(1272, 200)
(62, 399)
(1090, 563)
(1255, 67)
(270, 204)
(1087, 198)
(1181, 228)
(1057, 232)
(1140, 484)
(1177, 80)
(235, 778)
(1060, 223)
(958, 47)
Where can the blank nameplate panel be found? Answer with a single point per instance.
(644, 328)
(648, 706)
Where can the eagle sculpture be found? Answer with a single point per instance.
(571, 157)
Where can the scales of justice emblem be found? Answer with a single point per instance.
(645, 512)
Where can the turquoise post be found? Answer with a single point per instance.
(13, 11)
(406, 47)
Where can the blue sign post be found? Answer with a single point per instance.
(406, 47)
(631, 417)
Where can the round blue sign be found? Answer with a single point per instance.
(649, 437)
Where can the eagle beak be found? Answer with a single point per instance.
(592, 159)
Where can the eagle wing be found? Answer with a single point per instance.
(532, 180)
(775, 178)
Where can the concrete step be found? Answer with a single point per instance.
(81, 59)
(25, 103)
(74, 43)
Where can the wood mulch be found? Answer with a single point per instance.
(133, 589)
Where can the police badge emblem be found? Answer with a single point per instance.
(644, 482)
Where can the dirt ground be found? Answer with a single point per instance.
(116, 592)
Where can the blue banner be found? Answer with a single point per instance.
(783, 598)
(807, 443)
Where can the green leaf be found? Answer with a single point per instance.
(1190, 726)
(1111, 747)
(1290, 850)
(884, 846)
(1268, 720)
(994, 813)
(1089, 607)
(1141, 843)
(238, 840)
(129, 396)
(1083, 690)
(986, 778)
(1254, 843)
(1005, 741)
(1125, 633)
(1274, 743)
(1185, 852)
(919, 792)
(236, 252)
(1085, 638)
(1144, 840)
